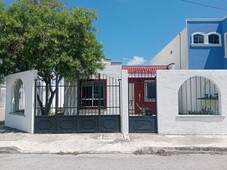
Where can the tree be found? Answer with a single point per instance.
(47, 36)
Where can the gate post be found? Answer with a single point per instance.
(78, 102)
(124, 102)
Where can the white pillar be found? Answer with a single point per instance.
(124, 102)
(24, 122)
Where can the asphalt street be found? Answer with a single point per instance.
(113, 162)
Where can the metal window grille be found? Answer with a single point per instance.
(95, 95)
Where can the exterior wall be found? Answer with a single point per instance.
(169, 120)
(186, 55)
(206, 56)
(224, 31)
(111, 69)
(174, 52)
(24, 122)
(2, 96)
(184, 49)
(112, 73)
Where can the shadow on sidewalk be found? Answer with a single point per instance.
(5, 129)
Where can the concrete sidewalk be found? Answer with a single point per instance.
(17, 142)
(14, 141)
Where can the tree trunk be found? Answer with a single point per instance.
(45, 109)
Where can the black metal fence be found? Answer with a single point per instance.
(84, 105)
(198, 96)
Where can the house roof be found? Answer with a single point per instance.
(144, 69)
(206, 19)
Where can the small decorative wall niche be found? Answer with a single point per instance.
(198, 96)
(18, 97)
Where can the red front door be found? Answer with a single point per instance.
(141, 101)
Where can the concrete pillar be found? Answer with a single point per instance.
(124, 102)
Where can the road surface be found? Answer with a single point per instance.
(112, 162)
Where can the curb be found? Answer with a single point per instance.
(162, 151)
(9, 150)
(180, 150)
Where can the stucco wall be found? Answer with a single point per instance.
(187, 55)
(174, 52)
(206, 56)
(170, 122)
(24, 121)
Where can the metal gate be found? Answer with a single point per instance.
(85, 105)
(142, 104)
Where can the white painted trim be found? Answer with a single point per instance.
(200, 33)
(209, 118)
(146, 92)
(206, 40)
(225, 44)
(206, 19)
(206, 45)
(214, 33)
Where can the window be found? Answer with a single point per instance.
(198, 39)
(209, 39)
(150, 90)
(93, 93)
(213, 39)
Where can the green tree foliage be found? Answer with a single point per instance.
(51, 38)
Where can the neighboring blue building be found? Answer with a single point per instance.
(201, 45)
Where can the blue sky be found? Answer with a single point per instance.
(134, 31)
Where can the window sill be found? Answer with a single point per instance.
(18, 113)
(202, 118)
(206, 45)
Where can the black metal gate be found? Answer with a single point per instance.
(85, 105)
(142, 103)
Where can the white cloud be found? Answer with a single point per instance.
(136, 60)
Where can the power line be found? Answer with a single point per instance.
(209, 6)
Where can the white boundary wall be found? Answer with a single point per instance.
(170, 122)
(124, 103)
(24, 122)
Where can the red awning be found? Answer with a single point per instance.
(143, 69)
